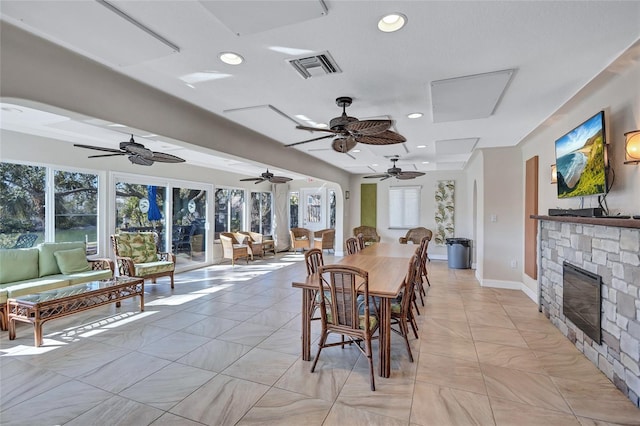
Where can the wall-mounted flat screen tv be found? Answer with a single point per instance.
(581, 159)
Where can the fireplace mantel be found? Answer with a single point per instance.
(619, 223)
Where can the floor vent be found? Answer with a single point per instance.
(314, 66)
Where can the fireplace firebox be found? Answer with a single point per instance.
(581, 299)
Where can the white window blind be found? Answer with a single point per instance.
(404, 206)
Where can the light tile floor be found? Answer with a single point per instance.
(224, 348)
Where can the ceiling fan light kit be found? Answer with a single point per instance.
(135, 152)
(349, 131)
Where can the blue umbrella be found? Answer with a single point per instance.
(154, 212)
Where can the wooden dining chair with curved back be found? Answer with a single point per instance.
(314, 260)
(343, 312)
(352, 245)
(401, 313)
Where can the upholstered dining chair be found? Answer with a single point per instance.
(343, 312)
(401, 313)
(352, 246)
(300, 238)
(232, 249)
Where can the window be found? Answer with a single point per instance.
(404, 206)
(76, 208)
(229, 211)
(293, 209)
(189, 224)
(261, 212)
(140, 208)
(22, 202)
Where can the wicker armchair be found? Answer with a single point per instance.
(415, 235)
(137, 256)
(324, 239)
(232, 249)
(255, 242)
(369, 232)
(300, 238)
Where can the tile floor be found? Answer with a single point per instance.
(224, 348)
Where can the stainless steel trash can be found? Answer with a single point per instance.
(458, 253)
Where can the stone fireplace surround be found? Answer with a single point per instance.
(611, 249)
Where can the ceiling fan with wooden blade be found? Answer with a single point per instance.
(268, 176)
(395, 172)
(136, 152)
(349, 131)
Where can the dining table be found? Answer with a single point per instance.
(387, 265)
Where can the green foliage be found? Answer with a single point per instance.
(593, 174)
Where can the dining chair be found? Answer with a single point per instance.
(361, 240)
(401, 313)
(352, 245)
(314, 260)
(343, 312)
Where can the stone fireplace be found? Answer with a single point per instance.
(610, 249)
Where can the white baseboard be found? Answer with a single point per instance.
(510, 285)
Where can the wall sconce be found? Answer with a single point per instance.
(632, 147)
(554, 174)
(346, 194)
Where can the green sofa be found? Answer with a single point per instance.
(32, 270)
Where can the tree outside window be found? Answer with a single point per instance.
(261, 212)
(229, 211)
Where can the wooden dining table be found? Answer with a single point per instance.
(387, 265)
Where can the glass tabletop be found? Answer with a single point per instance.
(73, 290)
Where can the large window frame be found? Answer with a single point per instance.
(404, 207)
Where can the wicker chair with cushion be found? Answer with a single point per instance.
(401, 314)
(369, 233)
(255, 243)
(415, 235)
(232, 249)
(137, 256)
(300, 238)
(324, 239)
(343, 312)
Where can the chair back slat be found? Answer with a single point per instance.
(314, 260)
(340, 286)
(352, 245)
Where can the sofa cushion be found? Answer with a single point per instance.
(35, 285)
(150, 268)
(88, 276)
(71, 261)
(139, 246)
(18, 264)
(47, 261)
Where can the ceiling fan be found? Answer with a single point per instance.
(348, 131)
(136, 153)
(395, 172)
(268, 176)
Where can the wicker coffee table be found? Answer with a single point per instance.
(42, 307)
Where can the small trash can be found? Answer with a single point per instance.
(458, 253)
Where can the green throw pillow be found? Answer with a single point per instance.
(72, 261)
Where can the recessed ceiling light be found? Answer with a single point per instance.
(374, 165)
(231, 58)
(392, 22)
(355, 151)
(117, 125)
(425, 162)
(414, 115)
(421, 146)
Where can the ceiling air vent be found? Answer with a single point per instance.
(313, 66)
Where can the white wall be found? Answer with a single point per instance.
(617, 91)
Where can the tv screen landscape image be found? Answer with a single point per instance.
(580, 159)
